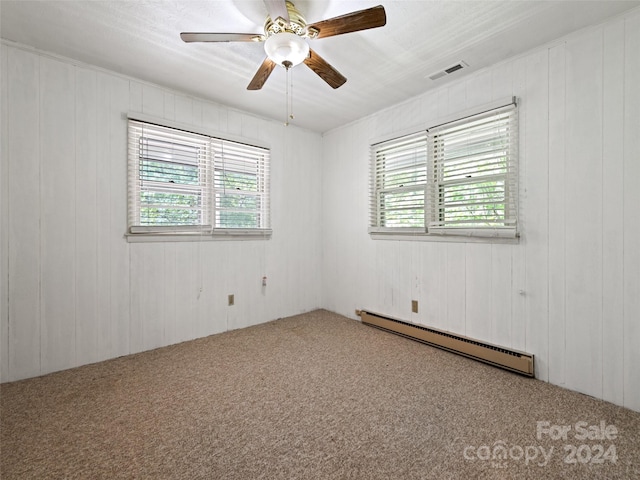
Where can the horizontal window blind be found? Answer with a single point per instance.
(398, 179)
(473, 174)
(182, 182)
(169, 178)
(241, 182)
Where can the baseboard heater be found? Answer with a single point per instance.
(513, 360)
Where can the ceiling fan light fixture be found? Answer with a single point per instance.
(286, 49)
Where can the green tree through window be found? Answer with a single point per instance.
(187, 181)
(456, 178)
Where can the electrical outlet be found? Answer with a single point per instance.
(231, 300)
(414, 306)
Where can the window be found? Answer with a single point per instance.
(457, 178)
(241, 185)
(182, 182)
(399, 180)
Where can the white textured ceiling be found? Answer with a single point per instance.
(383, 66)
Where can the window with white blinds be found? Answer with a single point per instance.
(398, 179)
(182, 182)
(457, 178)
(473, 175)
(241, 182)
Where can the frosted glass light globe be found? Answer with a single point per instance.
(287, 49)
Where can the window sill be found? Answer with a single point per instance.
(235, 234)
(434, 237)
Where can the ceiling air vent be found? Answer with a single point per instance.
(448, 70)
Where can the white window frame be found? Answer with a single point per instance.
(244, 161)
(492, 183)
(221, 202)
(398, 184)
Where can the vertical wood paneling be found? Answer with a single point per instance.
(135, 324)
(169, 111)
(196, 116)
(417, 283)
(519, 253)
(23, 84)
(152, 100)
(119, 282)
(4, 219)
(457, 98)
(312, 267)
(169, 295)
(153, 313)
(87, 216)
(135, 97)
(403, 287)
(213, 301)
(443, 102)
(211, 117)
(250, 127)
(536, 165)
(57, 183)
(478, 308)
(290, 169)
(409, 115)
(232, 282)
(103, 186)
(274, 266)
(187, 291)
(434, 280)
(479, 89)
(251, 285)
(456, 287)
(501, 81)
(501, 297)
(557, 214)
(429, 107)
(184, 110)
(234, 122)
(612, 214)
(423, 285)
(330, 221)
(631, 219)
(584, 213)
(248, 284)
(353, 198)
(384, 259)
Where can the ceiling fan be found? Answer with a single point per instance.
(285, 34)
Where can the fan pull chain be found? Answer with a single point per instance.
(289, 93)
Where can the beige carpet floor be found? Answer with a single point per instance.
(315, 396)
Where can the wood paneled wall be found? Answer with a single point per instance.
(569, 292)
(73, 290)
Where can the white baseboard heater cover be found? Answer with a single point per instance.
(513, 360)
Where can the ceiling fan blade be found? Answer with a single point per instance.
(220, 37)
(325, 71)
(262, 74)
(351, 22)
(277, 8)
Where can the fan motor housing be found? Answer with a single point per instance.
(297, 24)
